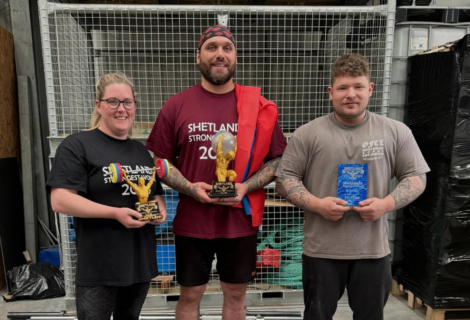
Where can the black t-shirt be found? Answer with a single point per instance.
(107, 252)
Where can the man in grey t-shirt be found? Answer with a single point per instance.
(346, 242)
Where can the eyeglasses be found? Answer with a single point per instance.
(114, 103)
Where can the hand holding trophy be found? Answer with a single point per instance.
(148, 209)
(225, 145)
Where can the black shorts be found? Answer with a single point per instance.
(236, 259)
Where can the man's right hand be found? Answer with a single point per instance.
(126, 217)
(199, 192)
(331, 208)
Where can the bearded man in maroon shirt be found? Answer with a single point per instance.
(228, 227)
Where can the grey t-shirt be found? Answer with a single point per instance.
(313, 154)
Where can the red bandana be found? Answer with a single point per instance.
(215, 31)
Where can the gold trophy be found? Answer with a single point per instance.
(148, 209)
(225, 145)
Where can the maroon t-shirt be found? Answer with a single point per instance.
(183, 131)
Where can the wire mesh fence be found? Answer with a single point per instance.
(287, 51)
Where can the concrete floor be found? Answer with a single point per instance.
(47, 305)
(396, 308)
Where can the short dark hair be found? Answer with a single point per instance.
(350, 64)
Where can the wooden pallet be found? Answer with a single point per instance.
(441, 48)
(414, 302)
(164, 282)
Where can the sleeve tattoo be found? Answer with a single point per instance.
(408, 190)
(263, 176)
(179, 183)
(293, 191)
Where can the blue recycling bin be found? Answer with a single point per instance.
(50, 255)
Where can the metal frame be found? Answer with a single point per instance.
(380, 20)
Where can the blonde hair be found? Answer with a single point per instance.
(352, 65)
(101, 84)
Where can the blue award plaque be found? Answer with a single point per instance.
(352, 183)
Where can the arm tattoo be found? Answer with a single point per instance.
(179, 183)
(408, 190)
(263, 176)
(294, 191)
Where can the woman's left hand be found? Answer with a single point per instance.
(156, 222)
(162, 208)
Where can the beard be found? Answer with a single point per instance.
(216, 79)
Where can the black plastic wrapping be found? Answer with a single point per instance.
(36, 281)
(435, 263)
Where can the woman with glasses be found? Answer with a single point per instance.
(116, 256)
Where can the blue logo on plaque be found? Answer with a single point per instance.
(352, 183)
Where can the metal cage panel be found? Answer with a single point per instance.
(287, 51)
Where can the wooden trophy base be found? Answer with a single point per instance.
(148, 210)
(223, 189)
